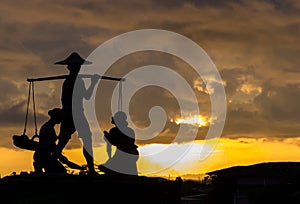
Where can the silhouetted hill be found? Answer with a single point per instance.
(261, 169)
(270, 182)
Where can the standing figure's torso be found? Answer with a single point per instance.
(67, 92)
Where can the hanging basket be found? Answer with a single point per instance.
(24, 142)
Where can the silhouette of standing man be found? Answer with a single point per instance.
(67, 128)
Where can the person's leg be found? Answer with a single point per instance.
(37, 167)
(63, 140)
(85, 134)
(88, 153)
(37, 163)
(66, 130)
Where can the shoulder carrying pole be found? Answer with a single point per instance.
(80, 75)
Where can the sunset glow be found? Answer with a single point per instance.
(197, 120)
(226, 153)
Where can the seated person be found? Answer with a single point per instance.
(126, 155)
(43, 160)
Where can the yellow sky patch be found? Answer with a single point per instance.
(228, 152)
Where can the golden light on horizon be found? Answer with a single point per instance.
(196, 120)
(154, 161)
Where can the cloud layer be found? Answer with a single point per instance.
(254, 44)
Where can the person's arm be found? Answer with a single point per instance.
(108, 147)
(89, 91)
(112, 136)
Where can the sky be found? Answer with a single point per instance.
(254, 45)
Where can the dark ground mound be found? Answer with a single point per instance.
(73, 189)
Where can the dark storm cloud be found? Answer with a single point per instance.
(13, 115)
(197, 3)
(280, 103)
(257, 107)
(47, 42)
(9, 89)
(56, 40)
